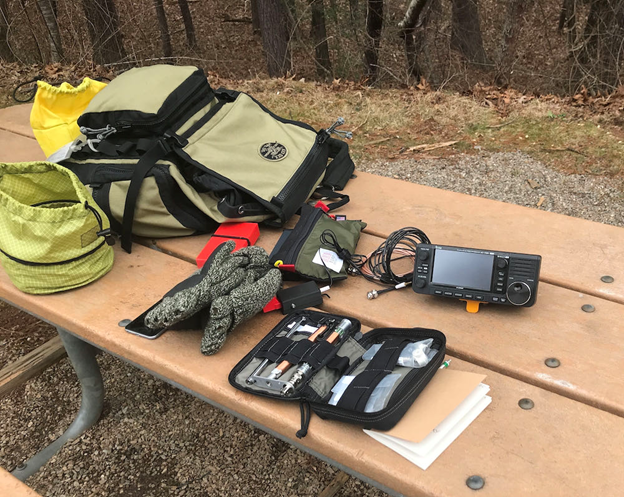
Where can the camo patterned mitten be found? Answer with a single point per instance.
(224, 274)
(260, 285)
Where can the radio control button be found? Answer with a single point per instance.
(423, 255)
(503, 300)
(501, 273)
(448, 294)
(501, 263)
(458, 294)
(438, 292)
(494, 299)
(468, 295)
(479, 297)
(419, 282)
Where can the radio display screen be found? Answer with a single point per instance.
(463, 269)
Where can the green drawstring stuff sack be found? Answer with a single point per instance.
(53, 237)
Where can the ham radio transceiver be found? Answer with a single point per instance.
(479, 275)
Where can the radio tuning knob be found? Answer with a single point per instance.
(420, 282)
(501, 263)
(518, 293)
(423, 255)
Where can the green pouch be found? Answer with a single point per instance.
(53, 237)
(301, 251)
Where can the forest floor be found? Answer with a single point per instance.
(562, 155)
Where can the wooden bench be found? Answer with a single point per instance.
(569, 443)
(12, 487)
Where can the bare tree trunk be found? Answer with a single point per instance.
(32, 32)
(275, 28)
(255, 17)
(466, 31)
(567, 20)
(189, 27)
(412, 44)
(48, 12)
(507, 47)
(603, 48)
(374, 25)
(6, 54)
(104, 32)
(319, 36)
(163, 28)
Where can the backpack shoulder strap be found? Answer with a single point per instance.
(340, 169)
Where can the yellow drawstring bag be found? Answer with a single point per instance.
(56, 110)
(53, 236)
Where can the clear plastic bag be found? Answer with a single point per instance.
(339, 388)
(379, 398)
(417, 354)
(414, 355)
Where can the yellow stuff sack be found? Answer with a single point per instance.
(53, 237)
(56, 110)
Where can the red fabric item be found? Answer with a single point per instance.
(321, 205)
(244, 234)
(289, 268)
(273, 305)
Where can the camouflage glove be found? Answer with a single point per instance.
(224, 274)
(260, 285)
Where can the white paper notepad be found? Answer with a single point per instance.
(426, 451)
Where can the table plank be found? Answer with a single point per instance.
(12, 487)
(576, 253)
(16, 119)
(561, 447)
(19, 372)
(513, 341)
(17, 148)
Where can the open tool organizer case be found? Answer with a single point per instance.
(329, 362)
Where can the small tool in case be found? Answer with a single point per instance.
(327, 364)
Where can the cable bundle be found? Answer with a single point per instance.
(377, 266)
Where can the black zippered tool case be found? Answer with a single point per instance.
(330, 362)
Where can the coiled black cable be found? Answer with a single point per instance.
(377, 267)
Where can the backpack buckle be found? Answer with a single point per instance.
(177, 140)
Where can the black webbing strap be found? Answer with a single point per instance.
(296, 354)
(340, 169)
(275, 348)
(339, 364)
(360, 389)
(141, 145)
(329, 193)
(317, 354)
(157, 152)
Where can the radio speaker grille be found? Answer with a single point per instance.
(522, 268)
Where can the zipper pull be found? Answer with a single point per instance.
(100, 133)
(306, 414)
(105, 232)
(343, 134)
(108, 236)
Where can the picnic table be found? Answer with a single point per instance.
(569, 443)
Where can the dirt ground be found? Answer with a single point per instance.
(154, 440)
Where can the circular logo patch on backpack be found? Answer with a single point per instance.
(273, 151)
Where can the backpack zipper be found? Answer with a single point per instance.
(103, 133)
(195, 97)
(303, 233)
(302, 175)
(304, 172)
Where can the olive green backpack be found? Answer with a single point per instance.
(166, 155)
(52, 235)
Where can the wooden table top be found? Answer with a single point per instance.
(569, 443)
